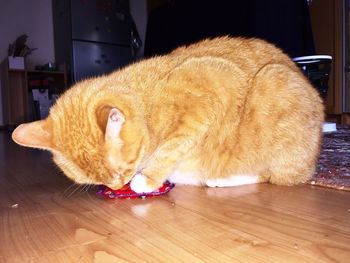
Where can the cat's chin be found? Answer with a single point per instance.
(114, 184)
(113, 187)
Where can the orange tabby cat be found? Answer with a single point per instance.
(222, 112)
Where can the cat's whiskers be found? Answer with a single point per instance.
(83, 187)
(68, 188)
(78, 186)
(89, 185)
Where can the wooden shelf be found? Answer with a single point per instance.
(45, 72)
(16, 70)
(16, 102)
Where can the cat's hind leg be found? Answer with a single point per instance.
(289, 119)
(288, 174)
(288, 171)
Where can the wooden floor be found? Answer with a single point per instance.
(45, 219)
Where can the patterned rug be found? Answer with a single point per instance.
(333, 169)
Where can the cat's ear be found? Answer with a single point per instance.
(114, 125)
(36, 134)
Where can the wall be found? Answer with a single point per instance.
(33, 18)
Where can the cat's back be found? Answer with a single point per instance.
(250, 54)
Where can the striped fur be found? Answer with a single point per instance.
(214, 109)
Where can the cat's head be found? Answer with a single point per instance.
(92, 140)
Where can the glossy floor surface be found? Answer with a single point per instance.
(44, 218)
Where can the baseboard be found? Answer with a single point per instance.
(345, 119)
(337, 118)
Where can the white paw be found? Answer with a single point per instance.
(234, 180)
(139, 185)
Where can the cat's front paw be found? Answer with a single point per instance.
(139, 184)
